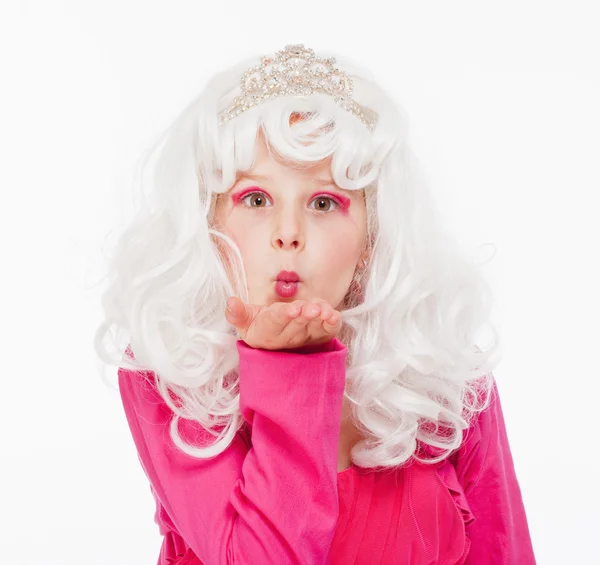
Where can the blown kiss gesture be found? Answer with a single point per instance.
(284, 325)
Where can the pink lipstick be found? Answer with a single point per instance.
(286, 284)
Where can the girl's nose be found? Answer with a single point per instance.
(288, 231)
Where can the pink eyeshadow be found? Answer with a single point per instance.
(342, 201)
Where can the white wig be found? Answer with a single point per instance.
(416, 373)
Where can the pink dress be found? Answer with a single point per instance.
(275, 497)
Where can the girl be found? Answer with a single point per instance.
(340, 411)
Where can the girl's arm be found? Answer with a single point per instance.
(499, 534)
(275, 502)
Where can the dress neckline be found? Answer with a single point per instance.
(347, 471)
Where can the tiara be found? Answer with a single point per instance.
(294, 71)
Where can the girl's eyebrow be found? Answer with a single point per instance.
(320, 182)
(255, 177)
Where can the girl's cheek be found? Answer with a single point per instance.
(244, 231)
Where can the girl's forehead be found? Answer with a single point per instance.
(272, 168)
(269, 165)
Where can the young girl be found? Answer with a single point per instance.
(340, 411)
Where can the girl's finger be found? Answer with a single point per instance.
(311, 310)
(295, 316)
(327, 323)
(325, 327)
(291, 332)
(234, 310)
(278, 318)
(238, 313)
(282, 322)
(332, 324)
(323, 305)
(326, 313)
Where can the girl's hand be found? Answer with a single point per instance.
(284, 325)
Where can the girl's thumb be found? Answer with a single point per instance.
(238, 313)
(231, 305)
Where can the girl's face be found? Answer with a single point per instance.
(283, 219)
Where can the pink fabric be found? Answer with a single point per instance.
(275, 496)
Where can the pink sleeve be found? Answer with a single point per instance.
(273, 502)
(499, 534)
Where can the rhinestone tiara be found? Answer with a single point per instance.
(294, 71)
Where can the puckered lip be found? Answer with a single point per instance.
(288, 276)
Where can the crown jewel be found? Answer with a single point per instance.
(294, 71)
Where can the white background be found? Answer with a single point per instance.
(503, 105)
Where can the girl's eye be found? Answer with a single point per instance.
(320, 200)
(260, 199)
(323, 202)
